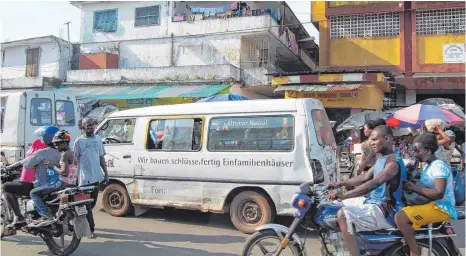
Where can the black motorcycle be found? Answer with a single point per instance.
(63, 234)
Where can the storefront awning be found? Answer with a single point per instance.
(144, 91)
(319, 88)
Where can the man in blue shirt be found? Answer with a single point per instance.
(89, 151)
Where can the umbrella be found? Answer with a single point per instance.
(358, 120)
(223, 97)
(416, 115)
(447, 104)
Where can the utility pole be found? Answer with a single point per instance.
(68, 29)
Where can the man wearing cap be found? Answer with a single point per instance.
(448, 153)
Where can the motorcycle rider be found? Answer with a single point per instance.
(36, 161)
(368, 157)
(66, 169)
(63, 174)
(383, 182)
(437, 185)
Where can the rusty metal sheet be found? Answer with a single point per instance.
(319, 88)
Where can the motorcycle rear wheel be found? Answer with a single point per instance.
(258, 237)
(58, 249)
(423, 245)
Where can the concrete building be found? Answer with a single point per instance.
(188, 46)
(421, 43)
(36, 63)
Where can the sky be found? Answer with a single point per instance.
(26, 19)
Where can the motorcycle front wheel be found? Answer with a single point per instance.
(266, 242)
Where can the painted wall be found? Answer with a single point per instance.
(52, 63)
(430, 47)
(127, 31)
(365, 51)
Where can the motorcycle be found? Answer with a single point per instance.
(315, 213)
(67, 205)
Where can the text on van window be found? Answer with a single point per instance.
(261, 133)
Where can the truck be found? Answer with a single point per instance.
(24, 112)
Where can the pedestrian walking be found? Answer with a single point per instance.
(89, 151)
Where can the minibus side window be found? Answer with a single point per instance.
(117, 131)
(41, 111)
(175, 134)
(255, 133)
(3, 101)
(64, 110)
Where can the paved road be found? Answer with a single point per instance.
(160, 232)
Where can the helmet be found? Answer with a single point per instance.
(61, 136)
(48, 133)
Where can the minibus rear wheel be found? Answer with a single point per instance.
(249, 210)
(115, 200)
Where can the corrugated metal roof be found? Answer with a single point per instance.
(319, 88)
(144, 91)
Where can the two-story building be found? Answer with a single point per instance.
(422, 43)
(39, 63)
(177, 51)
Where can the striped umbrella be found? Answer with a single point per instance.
(415, 116)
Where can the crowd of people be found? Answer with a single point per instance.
(50, 164)
(378, 199)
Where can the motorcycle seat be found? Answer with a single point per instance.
(424, 228)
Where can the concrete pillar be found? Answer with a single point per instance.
(410, 97)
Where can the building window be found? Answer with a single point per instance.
(175, 134)
(41, 112)
(438, 22)
(32, 62)
(64, 110)
(255, 52)
(259, 133)
(105, 21)
(147, 16)
(117, 131)
(365, 25)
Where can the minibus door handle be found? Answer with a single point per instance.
(127, 156)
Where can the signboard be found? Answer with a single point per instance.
(331, 95)
(139, 102)
(453, 53)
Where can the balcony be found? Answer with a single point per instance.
(246, 24)
(185, 74)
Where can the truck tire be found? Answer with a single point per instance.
(250, 210)
(116, 201)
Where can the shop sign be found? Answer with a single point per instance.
(453, 53)
(331, 95)
(139, 102)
